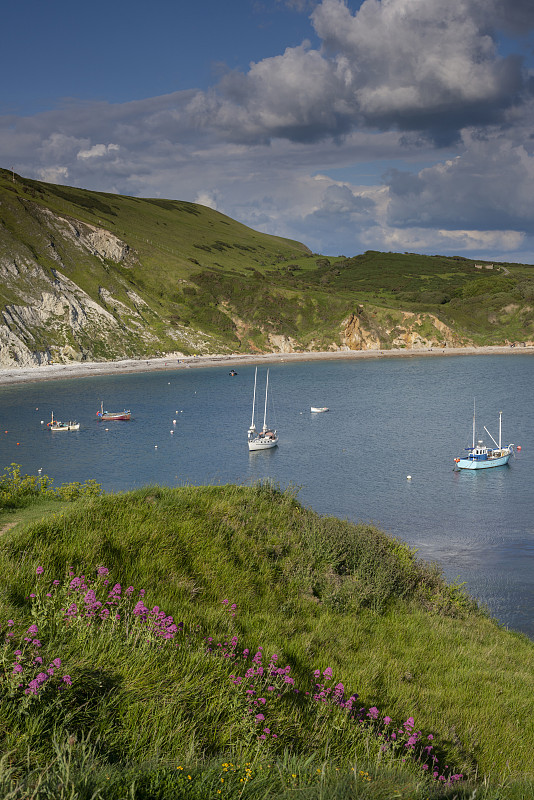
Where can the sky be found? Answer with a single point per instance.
(349, 125)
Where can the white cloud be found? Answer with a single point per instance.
(404, 63)
(416, 57)
(98, 151)
(53, 174)
(443, 241)
(206, 199)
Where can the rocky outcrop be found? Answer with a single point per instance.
(283, 344)
(48, 317)
(97, 241)
(59, 321)
(383, 329)
(357, 334)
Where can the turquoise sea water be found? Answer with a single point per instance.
(388, 418)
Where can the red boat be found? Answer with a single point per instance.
(110, 415)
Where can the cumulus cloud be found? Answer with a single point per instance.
(487, 187)
(409, 64)
(419, 63)
(98, 151)
(207, 199)
(420, 84)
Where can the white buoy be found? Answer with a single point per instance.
(155, 447)
(42, 422)
(174, 422)
(408, 477)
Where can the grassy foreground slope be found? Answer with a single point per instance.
(248, 575)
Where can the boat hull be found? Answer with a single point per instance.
(106, 417)
(467, 463)
(262, 444)
(74, 427)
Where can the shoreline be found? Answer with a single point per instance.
(82, 369)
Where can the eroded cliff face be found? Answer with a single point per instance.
(50, 317)
(97, 241)
(357, 336)
(380, 329)
(59, 323)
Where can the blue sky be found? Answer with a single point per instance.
(402, 125)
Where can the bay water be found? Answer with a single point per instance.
(388, 418)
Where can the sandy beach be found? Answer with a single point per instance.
(86, 368)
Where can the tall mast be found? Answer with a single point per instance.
(500, 428)
(254, 398)
(473, 422)
(265, 409)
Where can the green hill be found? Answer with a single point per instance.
(93, 276)
(225, 641)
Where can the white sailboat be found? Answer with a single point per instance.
(267, 437)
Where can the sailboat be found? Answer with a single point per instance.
(481, 457)
(266, 438)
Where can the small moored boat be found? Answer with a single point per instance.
(481, 457)
(111, 415)
(57, 425)
(316, 410)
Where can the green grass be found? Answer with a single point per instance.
(316, 591)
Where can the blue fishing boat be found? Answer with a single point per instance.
(481, 457)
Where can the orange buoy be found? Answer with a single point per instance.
(456, 460)
(519, 447)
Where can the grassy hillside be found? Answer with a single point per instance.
(260, 651)
(480, 300)
(165, 243)
(178, 276)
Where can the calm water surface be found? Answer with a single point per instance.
(388, 418)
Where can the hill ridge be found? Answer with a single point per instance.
(89, 276)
